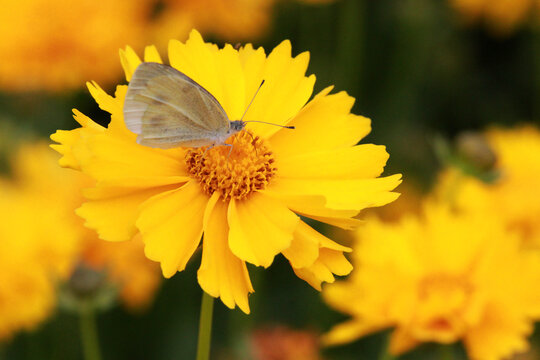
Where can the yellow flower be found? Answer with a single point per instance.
(514, 194)
(232, 20)
(56, 45)
(26, 290)
(58, 190)
(136, 277)
(247, 203)
(441, 277)
(501, 16)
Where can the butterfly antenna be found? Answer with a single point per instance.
(253, 98)
(264, 122)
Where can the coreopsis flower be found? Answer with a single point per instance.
(443, 277)
(26, 290)
(247, 201)
(37, 251)
(231, 20)
(56, 45)
(126, 268)
(39, 177)
(502, 16)
(514, 193)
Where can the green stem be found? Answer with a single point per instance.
(89, 334)
(205, 327)
(446, 352)
(385, 353)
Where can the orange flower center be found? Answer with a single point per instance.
(235, 171)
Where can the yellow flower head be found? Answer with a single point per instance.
(246, 201)
(441, 277)
(26, 290)
(49, 196)
(502, 16)
(228, 19)
(56, 45)
(36, 249)
(514, 194)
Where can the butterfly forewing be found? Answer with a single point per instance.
(167, 109)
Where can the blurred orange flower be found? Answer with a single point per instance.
(282, 343)
(502, 16)
(57, 45)
(235, 20)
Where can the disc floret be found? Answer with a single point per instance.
(242, 165)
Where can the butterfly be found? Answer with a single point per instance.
(167, 109)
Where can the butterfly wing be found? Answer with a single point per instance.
(168, 109)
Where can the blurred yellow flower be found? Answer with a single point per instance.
(56, 45)
(246, 203)
(441, 277)
(36, 249)
(136, 277)
(52, 195)
(233, 20)
(501, 16)
(26, 290)
(514, 194)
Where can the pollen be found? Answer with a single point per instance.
(244, 165)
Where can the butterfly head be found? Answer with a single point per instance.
(236, 126)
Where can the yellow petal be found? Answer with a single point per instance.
(232, 79)
(325, 123)
(105, 101)
(113, 215)
(348, 331)
(129, 61)
(285, 91)
(221, 273)
(358, 162)
(501, 333)
(260, 228)
(328, 263)
(171, 225)
(72, 144)
(313, 207)
(151, 54)
(122, 162)
(304, 248)
(401, 341)
(341, 194)
(252, 61)
(198, 61)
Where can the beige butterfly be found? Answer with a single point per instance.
(167, 109)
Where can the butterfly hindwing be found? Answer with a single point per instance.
(168, 109)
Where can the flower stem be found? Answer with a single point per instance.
(205, 327)
(385, 353)
(89, 334)
(446, 352)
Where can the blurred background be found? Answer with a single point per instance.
(424, 71)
